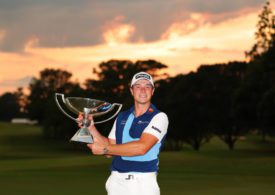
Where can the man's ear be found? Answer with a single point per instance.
(131, 90)
(153, 91)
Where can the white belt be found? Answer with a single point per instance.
(133, 175)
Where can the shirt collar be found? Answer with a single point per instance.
(149, 111)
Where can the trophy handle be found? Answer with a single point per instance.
(113, 105)
(59, 106)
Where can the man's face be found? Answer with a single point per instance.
(142, 91)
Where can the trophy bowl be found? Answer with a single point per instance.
(87, 106)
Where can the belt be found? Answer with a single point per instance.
(133, 175)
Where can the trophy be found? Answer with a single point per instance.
(87, 106)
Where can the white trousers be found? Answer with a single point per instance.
(132, 184)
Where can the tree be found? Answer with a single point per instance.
(42, 107)
(187, 110)
(22, 101)
(9, 105)
(265, 34)
(267, 113)
(265, 106)
(199, 104)
(220, 82)
(255, 91)
(113, 80)
(42, 90)
(250, 101)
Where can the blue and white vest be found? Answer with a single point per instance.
(129, 128)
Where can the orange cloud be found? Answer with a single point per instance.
(32, 42)
(236, 33)
(181, 28)
(116, 32)
(2, 34)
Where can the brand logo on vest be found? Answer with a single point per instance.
(123, 122)
(142, 122)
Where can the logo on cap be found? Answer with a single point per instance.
(145, 76)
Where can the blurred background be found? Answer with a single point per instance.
(214, 68)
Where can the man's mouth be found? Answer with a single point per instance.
(142, 96)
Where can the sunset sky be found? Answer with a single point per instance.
(77, 35)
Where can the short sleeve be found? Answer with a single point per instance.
(158, 126)
(112, 134)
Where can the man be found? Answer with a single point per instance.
(134, 142)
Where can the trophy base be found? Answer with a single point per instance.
(83, 135)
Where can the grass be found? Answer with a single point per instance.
(32, 165)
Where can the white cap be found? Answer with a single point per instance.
(141, 76)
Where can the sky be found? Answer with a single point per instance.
(78, 35)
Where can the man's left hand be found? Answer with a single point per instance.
(98, 148)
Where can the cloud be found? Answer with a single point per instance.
(15, 82)
(68, 23)
(2, 34)
(181, 28)
(55, 24)
(218, 38)
(116, 32)
(217, 6)
(12, 84)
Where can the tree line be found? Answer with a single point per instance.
(225, 100)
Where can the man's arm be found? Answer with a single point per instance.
(104, 141)
(153, 133)
(134, 148)
(95, 133)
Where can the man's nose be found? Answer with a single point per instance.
(142, 89)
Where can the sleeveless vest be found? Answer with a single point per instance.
(129, 128)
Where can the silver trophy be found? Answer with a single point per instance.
(87, 106)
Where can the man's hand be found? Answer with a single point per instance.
(98, 147)
(81, 120)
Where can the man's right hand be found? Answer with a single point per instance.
(80, 119)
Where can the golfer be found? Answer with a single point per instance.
(134, 142)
